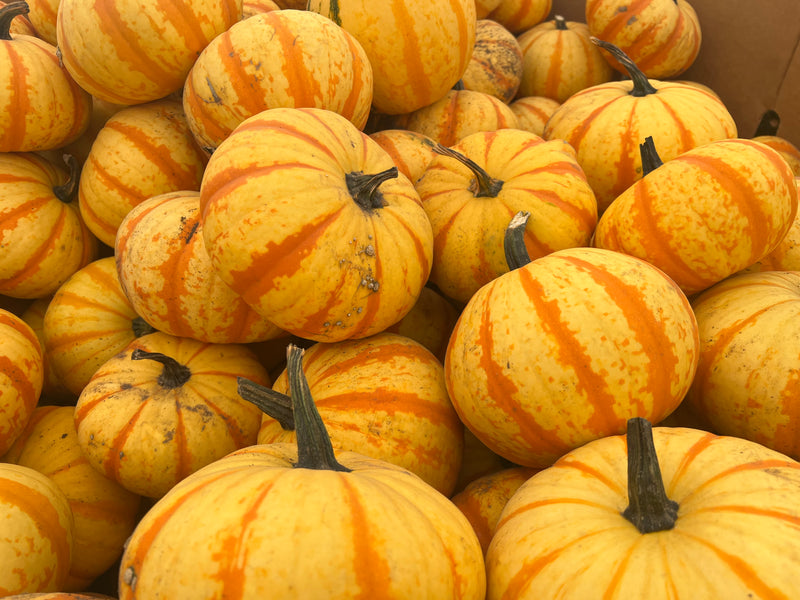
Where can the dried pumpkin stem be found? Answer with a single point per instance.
(650, 158)
(7, 14)
(314, 448)
(769, 124)
(273, 404)
(173, 375)
(484, 185)
(560, 22)
(67, 191)
(649, 508)
(641, 84)
(514, 241)
(141, 327)
(364, 187)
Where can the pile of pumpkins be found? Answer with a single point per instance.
(390, 298)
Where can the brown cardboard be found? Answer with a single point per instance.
(749, 55)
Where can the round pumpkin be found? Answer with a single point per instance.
(177, 392)
(41, 106)
(42, 233)
(21, 376)
(704, 215)
(53, 390)
(786, 255)
(495, 67)
(340, 247)
(104, 512)
(274, 60)
(418, 49)
(659, 513)
(520, 15)
(566, 348)
(305, 523)
(165, 272)
(533, 112)
(36, 544)
(127, 52)
(254, 7)
(430, 321)
(767, 133)
(410, 151)
(606, 123)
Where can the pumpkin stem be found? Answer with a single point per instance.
(314, 448)
(649, 508)
(650, 158)
(458, 86)
(561, 23)
(173, 375)
(364, 188)
(141, 327)
(484, 185)
(769, 123)
(273, 404)
(67, 191)
(7, 14)
(514, 241)
(641, 84)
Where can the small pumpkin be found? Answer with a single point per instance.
(520, 15)
(767, 133)
(53, 390)
(495, 67)
(175, 392)
(429, 322)
(533, 112)
(254, 7)
(410, 151)
(308, 523)
(786, 255)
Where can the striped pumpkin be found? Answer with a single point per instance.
(167, 276)
(565, 349)
(104, 512)
(255, 7)
(175, 392)
(421, 51)
(706, 214)
(383, 397)
(43, 15)
(341, 246)
(88, 320)
(141, 151)
(37, 532)
(53, 390)
(495, 67)
(606, 123)
(410, 151)
(274, 60)
(21, 377)
(42, 233)
(789, 152)
(430, 322)
(786, 255)
(130, 52)
(559, 59)
(533, 112)
(520, 15)
(662, 37)
(41, 106)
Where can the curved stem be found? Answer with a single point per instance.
(649, 508)
(173, 375)
(141, 327)
(314, 448)
(561, 23)
(273, 404)
(514, 241)
(769, 123)
(364, 188)
(67, 191)
(484, 185)
(650, 158)
(641, 84)
(7, 14)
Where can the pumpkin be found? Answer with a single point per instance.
(786, 255)
(254, 7)
(132, 53)
(559, 59)
(36, 546)
(383, 397)
(479, 461)
(767, 133)
(21, 376)
(339, 248)
(58, 596)
(43, 236)
(471, 191)
(746, 378)
(42, 15)
(662, 37)
(410, 151)
(141, 151)
(272, 60)
(705, 214)
(658, 513)
(104, 512)
(166, 274)
(87, 321)
(533, 112)
(520, 15)
(429, 322)
(566, 348)
(484, 7)
(41, 106)
(606, 123)
(300, 521)
(53, 390)
(175, 392)
(495, 67)
(460, 113)
(422, 50)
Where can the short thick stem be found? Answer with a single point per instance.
(769, 124)
(7, 14)
(364, 187)
(484, 185)
(173, 375)
(141, 327)
(650, 158)
(68, 191)
(641, 84)
(560, 22)
(514, 241)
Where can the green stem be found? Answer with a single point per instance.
(484, 185)
(514, 241)
(173, 375)
(641, 84)
(364, 188)
(273, 404)
(68, 191)
(649, 508)
(7, 14)
(650, 158)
